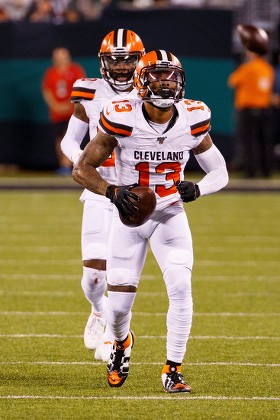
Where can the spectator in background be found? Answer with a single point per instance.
(42, 11)
(56, 89)
(4, 17)
(51, 11)
(88, 9)
(253, 83)
(276, 110)
(14, 10)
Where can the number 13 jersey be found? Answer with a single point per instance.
(150, 154)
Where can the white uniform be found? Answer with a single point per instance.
(147, 156)
(93, 94)
(157, 160)
(151, 158)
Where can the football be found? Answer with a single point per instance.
(146, 206)
(253, 38)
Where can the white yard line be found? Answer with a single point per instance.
(146, 277)
(133, 398)
(147, 337)
(8, 276)
(39, 262)
(163, 293)
(147, 314)
(76, 262)
(36, 293)
(143, 363)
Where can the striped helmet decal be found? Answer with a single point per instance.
(120, 38)
(163, 55)
(114, 128)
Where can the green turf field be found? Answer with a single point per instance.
(232, 362)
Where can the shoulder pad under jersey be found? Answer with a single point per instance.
(199, 117)
(117, 118)
(84, 89)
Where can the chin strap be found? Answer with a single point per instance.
(159, 103)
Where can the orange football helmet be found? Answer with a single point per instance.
(119, 53)
(160, 69)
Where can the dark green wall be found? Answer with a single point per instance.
(20, 85)
(200, 38)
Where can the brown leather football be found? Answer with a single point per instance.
(146, 206)
(253, 38)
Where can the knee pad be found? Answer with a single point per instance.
(121, 277)
(94, 287)
(94, 251)
(179, 257)
(93, 278)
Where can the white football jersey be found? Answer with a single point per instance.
(93, 94)
(150, 158)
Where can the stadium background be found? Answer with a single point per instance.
(200, 38)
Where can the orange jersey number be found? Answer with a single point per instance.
(110, 161)
(172, 172)
(122, 106)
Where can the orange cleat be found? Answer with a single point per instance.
(172, 380)
(118, 366)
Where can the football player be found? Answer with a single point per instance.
(152, 138)
(120, 51)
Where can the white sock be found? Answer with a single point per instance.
(119, 313)
(94, 286)
(108, 335)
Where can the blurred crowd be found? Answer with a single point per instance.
(60, 11)
(51, 11)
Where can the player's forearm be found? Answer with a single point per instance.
(95, 153)
(213, 163)
(88, 176)
(70, 144)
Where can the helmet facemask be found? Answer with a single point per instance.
(162, 84)
(120, 51)
(117, 68)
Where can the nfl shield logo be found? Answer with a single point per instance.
(161, 139)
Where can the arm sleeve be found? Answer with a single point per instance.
(213, 163)
(71, 142)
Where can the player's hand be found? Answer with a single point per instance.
(188, 190)
(120, 196)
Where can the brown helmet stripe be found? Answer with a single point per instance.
(163, 55)
(124, 38)
(115, 37)
(120, 38)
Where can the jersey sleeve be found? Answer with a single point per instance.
(199, 118)
(116, 118)
(84, 90)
